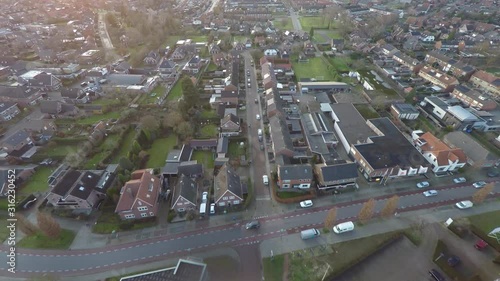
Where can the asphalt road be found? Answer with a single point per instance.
(83, 262)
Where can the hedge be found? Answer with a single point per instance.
(460, 231)
(390, 239)
(297, 199)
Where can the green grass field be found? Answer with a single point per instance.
(59, 151)
(283, 23)
(175, 92)
(208, 131)
(315, 68)
(204, 157)
(308, 22)
(38, 182)
(125, 146)
(487, 221)
(96, 118)
(273, 269)
(159, 151)
(340, 63)
(40, 241)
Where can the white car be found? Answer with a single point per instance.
(306, 204)
(204, 197)
(257, 117)
(479, 184)
(212, 209)
(423, 184)
(464, 204)
(430, 193)
(459, 180)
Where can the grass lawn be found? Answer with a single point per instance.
(60, 151)
(234, 149)
(159, 151)
(104, 101)
(367, 111)
(315, 68)
(38, 182)
(273, 269)
(332, 33)
(204, 157)
(308, 22)
(288, 194)
(175, 92)
(340, 63)
(487, 221)
(212, 66)
(208, 131)
(96, 118)
(283, 23)
(40, 241)
(153, 96)
(106, 146)
(208, 114)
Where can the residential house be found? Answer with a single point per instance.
(193, 66)
(222, 147)
(295, 176)
(79, 191)
(228, 188)
(229, 97)
(190, 169)
(74, 95)
(203, 144)
(477, 155)
(8, 110)
(219, 59)
(388, 50)
(178, 54)
(337, 45)
(411, 63)
(486, 81)
(336, 176)
(260, 41)
(57, 109)
(139, 196)
(436, 77)
(447, 64)
(174, 159)
(309, 49)
(473, 98)
(40, 80)
(213, 49)
(185, 193)
(230, 126)
(440, 156)
(270, 52)
(152, 58)
(168, 70)
(404, 111)
(22, 95)
(17, 141)
(185, 270)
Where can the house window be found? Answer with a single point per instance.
(231, 197)
(144, 215)
(130, 216)
(143, 208)
(224, 198)
(221, 204)
(236, 202)
(286, 185)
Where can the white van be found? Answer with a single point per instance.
(309, 233)
(265, 179)
(343, 227)
(203, 209)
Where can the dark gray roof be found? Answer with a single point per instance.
(228, 94)
(6, 105)
(170, 169)
(280, 134)
(339, 172)
(18, 92)
(405, 108)
(187, 189)
(185, 270)
(190, 168)
(186, 153)
(174, 156)
(235, 72)
(64, 185)
(125, 79)
(85, 185)
(72, 93)
(351, 123)
(50, 107)
(234, 182)
(17, 138)
(195, 143)
(222, 145)
(167, 64)
(390, 150)
(295, 172)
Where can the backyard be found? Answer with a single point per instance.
(125, 145)
(153, 97)
(204, 157)
(283, 23)
(377, 82)
(104, 148)
(175, 92)
(208, 131)
(315, 68)
(98, 117)
(235, 150)
(308, 22)
(487, 221)
(159, 151)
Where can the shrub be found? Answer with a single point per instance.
(171, 216)
(126, 225)
(460, 231)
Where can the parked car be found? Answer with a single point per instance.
(480, 244)
(253, 225)
(436, 275)
(479, 184)
(464, 204)
(256, 101)
(31, 201)
(257, 117)
(459, 180)
(204, 197)
(493, 172)
(306, 203)
(453, 261)
(423, 184)
(430, 193)
(212, 209)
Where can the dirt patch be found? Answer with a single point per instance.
(224, 268)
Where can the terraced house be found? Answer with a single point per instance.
(438, 78)
(486, 81)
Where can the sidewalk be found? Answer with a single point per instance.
(293, 242)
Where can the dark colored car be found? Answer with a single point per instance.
(493, 172)
(453, 261)
(252, 225)
(29, 202)
(481, 244)
(436, 275)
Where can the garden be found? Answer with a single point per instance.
(314, 68)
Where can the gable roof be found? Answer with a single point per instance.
(17, 137)
(440, 150)
(230, 118)
(227, 180)
(488, 77)
(187, 188)
(338, 172)
(295, 172)
(143, 186)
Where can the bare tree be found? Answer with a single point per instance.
(480, 195)
(184, 130)
(366, 212)
(390, 207)
(25, 225)
(331, 217)
(48, 225)
(150, 122)
(172, 119)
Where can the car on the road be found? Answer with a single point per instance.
(464, 204)
(249, 85)
(479, 184)
(257, 117)
(430, 193)
(253, 225)
(423, 184)
(459, 180)
(481, 244)
(256, 101)
(453, 261)
(306, 203)
(204, 197)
